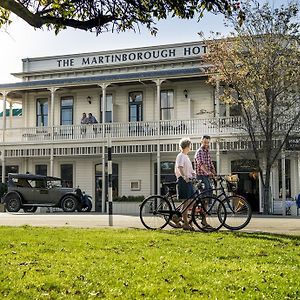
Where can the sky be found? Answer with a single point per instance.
(19, 40)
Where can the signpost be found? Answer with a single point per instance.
(293, 143)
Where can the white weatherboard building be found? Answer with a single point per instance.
(151, 97)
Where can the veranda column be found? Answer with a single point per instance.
(217, 100)
(10, 114)
(103, 201)
(283, 189)
(275, 185)
(158, 85)
(51, 124)
(4, 94)
(24, 108)
(51, 119)
(3, 164)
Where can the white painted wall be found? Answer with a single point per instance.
(199, 92)
(135, 167)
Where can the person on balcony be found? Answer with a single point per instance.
(184, 172)
(91, 119)
(84, 119)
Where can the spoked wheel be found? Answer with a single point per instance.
(69, 203)
(239, 212)
(209, 214)
(176, 217)
(155, 212)
(12, 202)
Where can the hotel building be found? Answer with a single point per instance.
(145, 100)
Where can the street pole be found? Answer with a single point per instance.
(109, 167)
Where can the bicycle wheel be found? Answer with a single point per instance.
(239, 212)
(155, 212)
(209, 214)
(175, 214)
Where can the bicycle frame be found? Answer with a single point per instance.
(182, 207)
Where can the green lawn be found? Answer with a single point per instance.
(65, 263)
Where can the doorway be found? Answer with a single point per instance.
(98, 185)
(248, 185)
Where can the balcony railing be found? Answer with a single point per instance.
(223, 127)
(195, 127)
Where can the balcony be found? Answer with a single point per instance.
(215, 127)
(125, 131)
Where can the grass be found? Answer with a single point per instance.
(66, 263)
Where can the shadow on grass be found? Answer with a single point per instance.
(282, 238)
(276, 237)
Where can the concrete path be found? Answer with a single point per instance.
(259, 223)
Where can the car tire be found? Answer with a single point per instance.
(12, 202)
(69, 203)
(30, 209)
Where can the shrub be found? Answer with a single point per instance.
(129, 199)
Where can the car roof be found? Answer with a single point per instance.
(32, 176)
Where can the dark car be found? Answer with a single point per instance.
(29, 191)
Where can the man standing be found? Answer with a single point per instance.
(203, 163)
(91, 119)
(84, 119)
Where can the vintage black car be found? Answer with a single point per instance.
(29, 191)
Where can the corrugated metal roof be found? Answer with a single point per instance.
(99, 79)
(16, 112)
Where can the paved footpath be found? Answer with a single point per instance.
(259, 223)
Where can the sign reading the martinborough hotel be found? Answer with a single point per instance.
(130, 56)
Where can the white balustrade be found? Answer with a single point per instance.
(226, 126)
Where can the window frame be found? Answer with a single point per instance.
(138, 104)
(106, 111)
(37, 115)
(171, 109)
(66, 108)
(63, 181)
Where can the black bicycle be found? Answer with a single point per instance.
(239, 212)
(208, 213)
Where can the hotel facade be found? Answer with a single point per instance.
(145, 100)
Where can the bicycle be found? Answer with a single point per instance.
(156, 211)
(239, 212)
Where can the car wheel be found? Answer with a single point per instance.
(69, 204)
(30, 209)
(12, 203)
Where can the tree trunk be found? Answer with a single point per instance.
(267, 192)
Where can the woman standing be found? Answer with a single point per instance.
(184, 172)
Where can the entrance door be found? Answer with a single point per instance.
(248, 185)
(98, 185)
